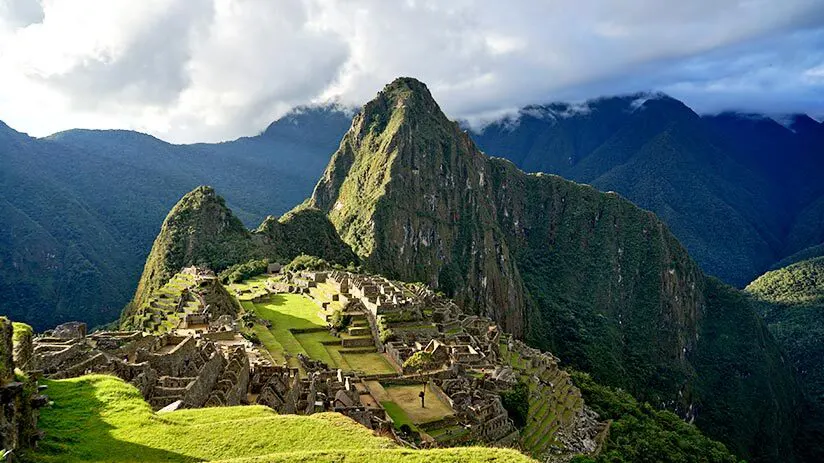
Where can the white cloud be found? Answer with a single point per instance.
(195, 70)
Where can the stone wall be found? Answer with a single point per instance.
(197, 393)
(6, 351)
(19, 399)
(23, 339)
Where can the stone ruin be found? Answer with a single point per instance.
(187, 371)
(323, 390)
(205, 361)
(20, 396)
(412, 318)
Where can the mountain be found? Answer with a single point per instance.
(80, 208)
(201, 230)
(740, 191)
(792, 302)
(587, 275)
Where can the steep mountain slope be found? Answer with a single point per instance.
(58, 257)
(81, 208)
(201, 230)
(589, 275)
(411, 194)
(792, 302)
(729, 186)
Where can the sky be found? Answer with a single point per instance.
(211, 70)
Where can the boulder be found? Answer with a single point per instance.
(70, 330)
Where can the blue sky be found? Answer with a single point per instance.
(207, 70)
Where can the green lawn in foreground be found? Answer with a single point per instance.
(100, 418)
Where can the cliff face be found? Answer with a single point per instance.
(585, 274)
(611, 290)
(409, 191)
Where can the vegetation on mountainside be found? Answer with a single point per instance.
(737, 348)
(81, 208)
(799, 284)
(581, 273)
(239, 272)
(306, 262)
(791, 300)
(304, 230)
(101, 418)
(640, 433)
(516, 402)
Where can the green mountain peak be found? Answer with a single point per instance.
(199, 230)
(581, 273)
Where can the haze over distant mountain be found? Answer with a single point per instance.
(740, 191)
(80, 208)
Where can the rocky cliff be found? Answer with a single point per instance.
(588, 275)
(408, 190)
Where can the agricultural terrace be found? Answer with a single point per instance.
(298, 326)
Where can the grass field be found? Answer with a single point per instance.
(403, 404)
(100, 418)
(288, 312)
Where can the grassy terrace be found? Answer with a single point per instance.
(539, 433)
(100, 418)
(163, 317)
(297, 328)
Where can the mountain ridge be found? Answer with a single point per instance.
(416, 200)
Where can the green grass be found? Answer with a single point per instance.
(453, 455)
(101, 418)
(289, 312)
(369, 363)
(398, 415)
(407, 398)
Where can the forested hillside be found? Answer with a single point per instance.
(581, 273)
(82, 207)
(791, 299)
(739, 191)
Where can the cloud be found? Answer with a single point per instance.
(198, 70)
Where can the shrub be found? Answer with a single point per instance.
(340, 321)
(244, 271)
(306, 262)
(516, 402)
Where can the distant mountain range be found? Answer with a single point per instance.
(740, 191)
(82, 207)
